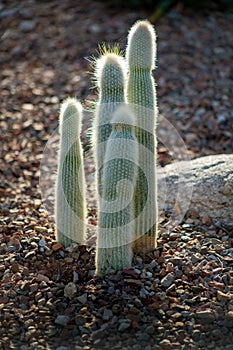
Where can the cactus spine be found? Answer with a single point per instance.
(110, 75)
(116, 216)
(141, 95)
(69, 194)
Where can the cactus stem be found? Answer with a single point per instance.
(70, 185)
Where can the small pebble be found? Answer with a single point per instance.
(228, 321)
(82, 298)
(57, 246)
(70, 290)
(27, 26)
(165, 344)
(107, 314)
(42, 244)
(222, 296)
(62, 320)
(206, 315)
(123, 326)
(75, 276)
(42, 278)
(168, 280)
(80, 320)
(143, 337)
(150, 330)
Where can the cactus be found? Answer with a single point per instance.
(110, 75)
(140, 55)
(116, 215)
(125, 154)
(69, 193)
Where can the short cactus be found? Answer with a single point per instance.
(110, 76)
(116, 211)
(141, 96)
(70, 185)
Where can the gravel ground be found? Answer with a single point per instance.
(181, 295)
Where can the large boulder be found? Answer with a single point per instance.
(205, 184)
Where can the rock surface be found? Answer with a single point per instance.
(205, 183)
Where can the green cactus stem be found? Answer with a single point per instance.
(141, 95)
(116, 215)
(111, 76)
(70, 185)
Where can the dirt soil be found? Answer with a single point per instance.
(180, 296)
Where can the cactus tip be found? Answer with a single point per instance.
(141, 45)
(112, 63)
(70, 102)
(70, 107)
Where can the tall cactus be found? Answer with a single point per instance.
(69, 194)
(116, 216)
(140, 55)
(110, 75)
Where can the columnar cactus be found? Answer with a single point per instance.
(110, 75)
(70, 185)
(141, 95)
(116, 207)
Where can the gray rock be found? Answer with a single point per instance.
(167, 280)
(204, 183)
(123, 326)
(196, 335)
(70, 290)
(136, 347)
(143, 337)
(148, 347)
(150, 329)
(80, 320)
(75, 276)
(84, 330)
(98, 334)
(62, 320)
(177, 261)
(228, 347)
(27, 25)
(107, 314)
(82, 298)
(9, 12)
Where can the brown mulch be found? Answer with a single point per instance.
(181, 295)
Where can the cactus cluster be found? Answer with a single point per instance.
(125, 156)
